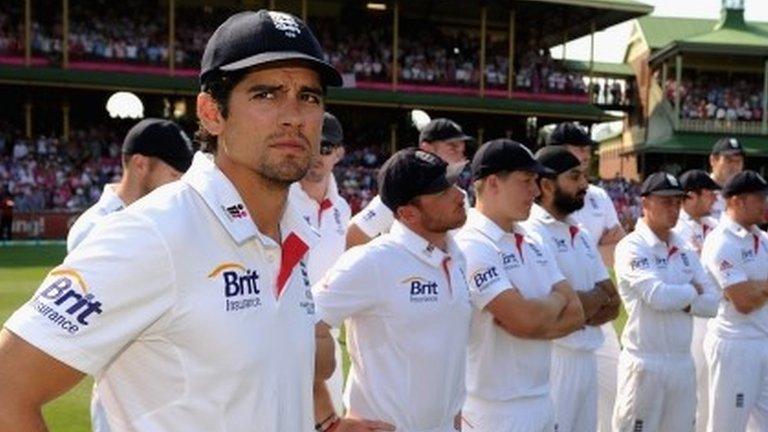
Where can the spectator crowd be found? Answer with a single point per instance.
(719, 98)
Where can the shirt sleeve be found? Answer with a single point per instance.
(721, 261)
(634, 270)
(611, 218)
(706, 303)
(601, 272)
(348, 288)
(108, 291)
(486, 276)
(78, 232)
(375, 219)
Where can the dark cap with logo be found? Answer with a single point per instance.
(570, 134)
(695, 180)
(332, 131)
(443, 129)
(505, 155)
(746, 181)
(250, 38)
(727, 146)
(662, 184)
(411, 172)
(162, 139)
(558, 159)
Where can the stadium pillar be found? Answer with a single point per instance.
(172, 36)
(395, 46)
(271, 4)
(65, 34)
(28, 119)
(764, 127)
(65, 120)
(591, 59)
(304, 10)
(511, 54)
(483, 35)
(27, 32)
(565, 42)
(392, 138)
(678, 82)
(480, 133)
(664, 75)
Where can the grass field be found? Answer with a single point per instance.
(21, 270)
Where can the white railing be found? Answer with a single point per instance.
(721, 126)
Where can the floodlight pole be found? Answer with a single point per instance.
(395, 38)
(511, 54)
(65, 34)
(27, 32)
(172, 36)
(764, 127)
(678, 82)
(28, 118)
(483, 35)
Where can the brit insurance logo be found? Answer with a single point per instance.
(421, 290)
(66, 301)
(240, 286)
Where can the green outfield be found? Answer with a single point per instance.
(21, 270)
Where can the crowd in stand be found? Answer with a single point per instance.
(626, 198)
(710, 97)
(124, 33)
(47, 173)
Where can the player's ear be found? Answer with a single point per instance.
(209, 114)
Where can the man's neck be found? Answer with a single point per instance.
(265, 199)
(318, 191)
(661, 233)
(553, 211)
(438, 239)
(718, 180)
(693, 215)
(504, 222)
(127, 190)
(739, 220)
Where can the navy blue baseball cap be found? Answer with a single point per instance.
(250, 38)
(505, 155)
(162, 139)
(663, 184)
(746, 181)
(570, 134)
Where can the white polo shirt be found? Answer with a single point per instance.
(693, 232)
(408, 311)
(655, 281)
(578, 260)
(330, 218)
(108, 203)
(718, 207)
(598, 214)
(733, 254)
(500, 366)
(188, 317)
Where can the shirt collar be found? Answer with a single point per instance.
(419, 247)
(109, 199)
(648, 236)
(481, 223)
(222, 198)
(297, 192)
(735, 228)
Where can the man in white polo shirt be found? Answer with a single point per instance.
(726, 160)
(521, 300)
(693, 226)
(574, 367)
(736, 344)
(442, 137)
(405, 301)
(190, 307)
(662, 284)
(599, 218)
(155, 152)
(318, 201)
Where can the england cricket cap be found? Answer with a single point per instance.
(745, 182)
(505, 155)
(162, 139)
(411, 172)
(727, 146)
(662, 184)
(250, 38)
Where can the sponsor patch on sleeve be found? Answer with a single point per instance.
(482, 278)
(640, 263)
